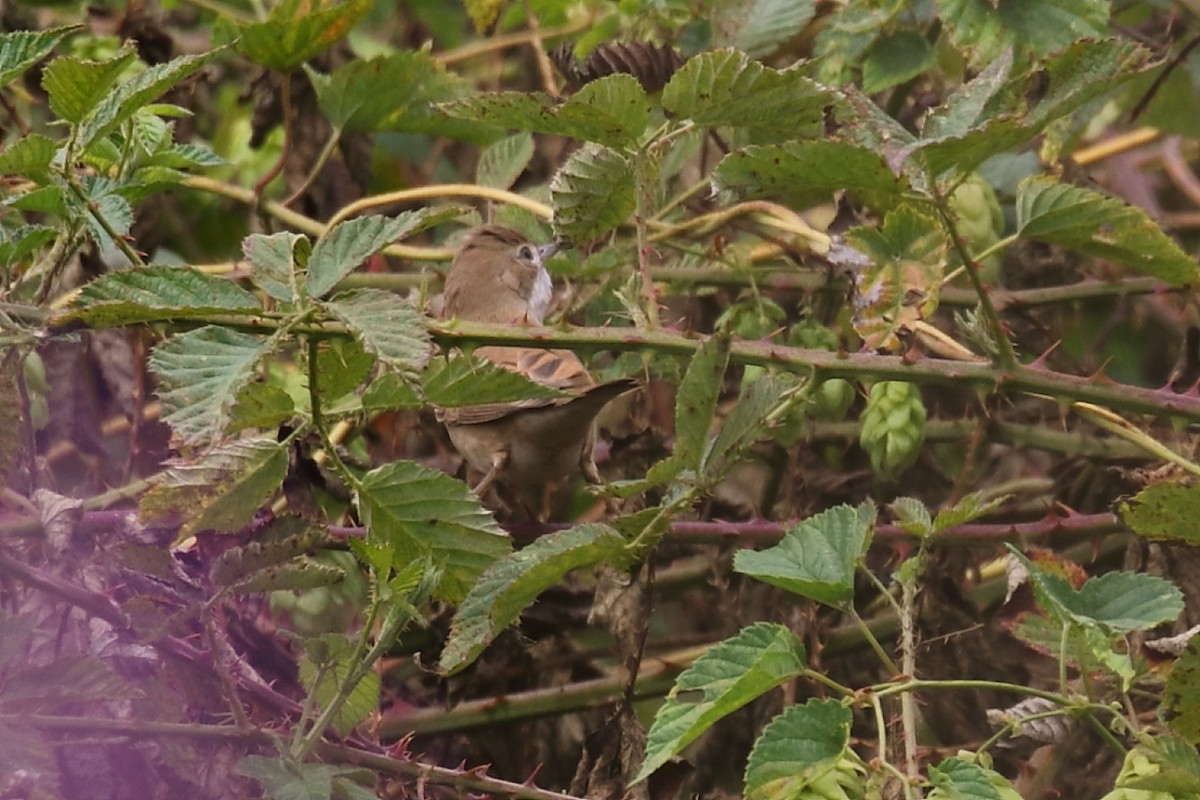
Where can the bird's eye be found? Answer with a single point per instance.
(527, 252)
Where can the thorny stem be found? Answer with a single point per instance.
(909, 584)
(1007, 356)
(642, 172)
(117, 239)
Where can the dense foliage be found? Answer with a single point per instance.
(902, 508)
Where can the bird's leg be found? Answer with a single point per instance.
(499, 461)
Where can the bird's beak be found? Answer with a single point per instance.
(547, 250)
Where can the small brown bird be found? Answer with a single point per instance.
(498, 276)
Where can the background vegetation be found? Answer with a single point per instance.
(904, 507)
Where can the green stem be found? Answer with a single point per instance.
(869, 637)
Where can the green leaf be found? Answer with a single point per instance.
(612, 111)
(501, 163)
(962, 780)
(964, 109)
(804, 174)
(724, 87)
(425, 513)
(221, 490)
(284, 540)
(696, 400)
(104, 203)
(1171, 765)
(296, 576)
(1086, 220)
(484, 13)
(1079, 74)
(288, 780)
(510, 585)
(76, 86)
(759, 27)
(1181, 696)
(389, 391)
(157, 293)
(274, 262)
(297, 30)
(378, 93)
(342, 365)
(912, 516)
(731, 674)
(902, 284)
(896, 58)
(817, 557)
(350, 243)
(387, 325)
(28, 156)
(801, 743)
(1164, 511)
(761, 406)
(129, 97)
(327, 663)
(23, 242)
(592, 193)
(20, 50)
(983, 30)
(200, 374)
(463, 381)
(1121, 602)
(968, 509)
(260, 405)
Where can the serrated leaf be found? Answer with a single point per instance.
(902, 284)
(274, 261)
(968, 509)
(108, 212)
(425, 513)
(288, 780)
(200, 374)
(1121, 602)
(463, 381)
(511, 584)
(802, 742)
(501, 163)
(184, 155)
(282, 540)
(984, 30)
(758, 27)
(1181, 696)
(325, 666)
(221, 490)
(895, 58)
(764, 402)
(807, 173)
(350, 243)
(76, 86)
(1086, 220)
(912, 516)
(1080, 73)
(297, 30)
(1164, 511)
(50, 199)
(964, 109)
(962, 780)
(387, 326)
(299, 575)
(696, 400)
(157, 293)
(387, 392)
(260, 405)
(342, 364)
(724, 87)
(731, 674)
(29, 156)
(23, 242)
(1162, 763)
(816, 558)
(63, 683)
(592, 193)
(612, 111)
(379, 93)
(20, 50)
(128, 98)
(961, 154)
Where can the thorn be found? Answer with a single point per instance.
(530, 780)
(1098, 376)
(1040, 361)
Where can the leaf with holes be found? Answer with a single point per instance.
(901, 286)
(1164, 511)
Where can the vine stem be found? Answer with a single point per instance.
(260, 187)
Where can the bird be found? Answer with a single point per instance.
(523, 447)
